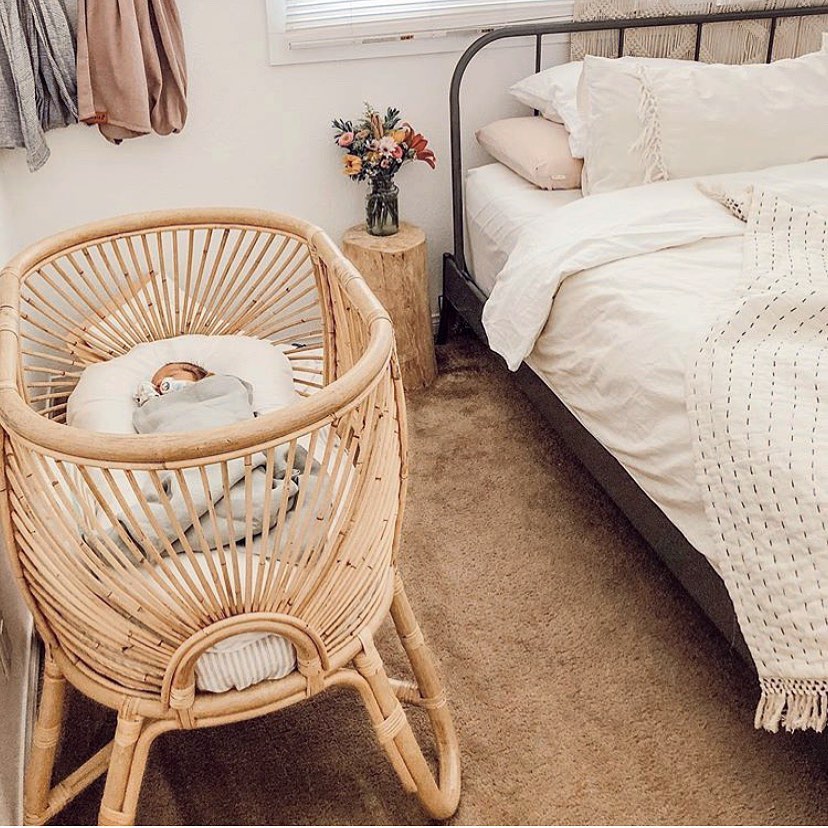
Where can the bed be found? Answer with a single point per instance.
(614, 389)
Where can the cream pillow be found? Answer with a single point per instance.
(653, 121)
(534, 148)
(554, 94)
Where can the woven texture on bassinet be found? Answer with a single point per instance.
(120, 595)
(124, 619)
(734, 42)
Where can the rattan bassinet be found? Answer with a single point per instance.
(124, 622)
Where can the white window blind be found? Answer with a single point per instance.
(399, 15)
(305, 26)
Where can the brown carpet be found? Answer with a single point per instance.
(587, 687)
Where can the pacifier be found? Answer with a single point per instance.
(168, 385)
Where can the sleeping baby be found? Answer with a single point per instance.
(170, 377)
(208, 506)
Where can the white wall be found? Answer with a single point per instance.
(259, 135)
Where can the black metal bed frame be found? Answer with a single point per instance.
(463, 299)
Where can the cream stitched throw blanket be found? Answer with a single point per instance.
(758, 400)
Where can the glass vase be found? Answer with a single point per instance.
(382, 211)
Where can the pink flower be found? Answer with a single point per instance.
(398, 152)
(346, 139)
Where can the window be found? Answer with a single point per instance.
(314, 30)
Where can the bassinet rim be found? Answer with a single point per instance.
(62, 441)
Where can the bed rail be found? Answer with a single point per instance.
(540, 30)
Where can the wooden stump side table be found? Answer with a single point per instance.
(395, 269)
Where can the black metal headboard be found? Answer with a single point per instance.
(538, 31)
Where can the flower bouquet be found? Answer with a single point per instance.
(376, 147)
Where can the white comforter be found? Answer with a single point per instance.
(614, 342)
(641, 223)
(636, 257)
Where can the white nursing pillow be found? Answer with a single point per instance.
(104, 398)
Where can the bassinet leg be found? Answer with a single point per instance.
(127, 734)
(432, 691)
(441, 798)
(45, 741)
(139, 765)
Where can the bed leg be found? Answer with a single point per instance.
(448, 319)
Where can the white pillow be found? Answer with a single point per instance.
(651, 121)
(553, 93)
(103, 399)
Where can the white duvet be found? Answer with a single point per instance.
(607, 298)
(612, 228)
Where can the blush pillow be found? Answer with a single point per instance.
(534, 148)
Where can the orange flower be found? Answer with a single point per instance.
(352, 165)
(419, 143)
(376, 125)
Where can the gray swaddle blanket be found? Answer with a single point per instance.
(219, 498)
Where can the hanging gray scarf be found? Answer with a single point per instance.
(38, 88)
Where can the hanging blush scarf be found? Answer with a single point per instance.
(132, 75)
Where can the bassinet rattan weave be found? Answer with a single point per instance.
(126, 621)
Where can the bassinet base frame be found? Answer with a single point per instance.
(140, 722)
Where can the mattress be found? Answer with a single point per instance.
(614, 350)
(498, 204)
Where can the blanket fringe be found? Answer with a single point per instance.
(795, 704)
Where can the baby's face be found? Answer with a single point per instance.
(174, 371)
